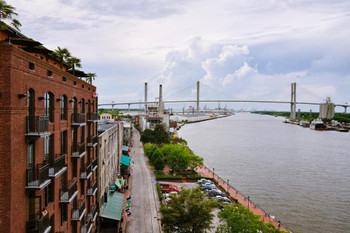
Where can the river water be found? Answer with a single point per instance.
(299, 175)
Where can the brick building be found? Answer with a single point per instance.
(48, 142)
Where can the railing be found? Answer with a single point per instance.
(92, 116)
(92, 212)
(75, 150)
(78, 209)
(91, 140)
(40, 225)
(85, 171)
(37, 124)
(94, 163)
(66, 193)
(57, 163)
(78, 118)
(85, 227)
(91, 188)
(37, 176)
(81, 148)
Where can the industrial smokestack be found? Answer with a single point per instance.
(161, 97)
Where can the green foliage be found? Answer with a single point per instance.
(240, 219)
(157, 159)
(189, 211)
(6, 13)
(61, 55)
(178, 141)
(179, 157)
(149, 148)
(73, 62)
(147, 136)
(157, 136)
(166, 177)
(159, 191)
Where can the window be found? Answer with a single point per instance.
(75, 83)
(49, 193)
(64, 213)
(82, 134)
(47, 151)
(49, 73)
(64, 79)
(48, 105)
(82, 187)
(31, 66)
(82, 86)
(64, 142)
(63, 106)
(82, 105)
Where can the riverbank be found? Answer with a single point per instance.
(245, 201)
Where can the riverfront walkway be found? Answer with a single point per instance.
(205, 172)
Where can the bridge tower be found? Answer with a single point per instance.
(145, 97)
(293, 101)
(161, 107)
(197, 96)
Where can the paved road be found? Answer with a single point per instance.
(145, 201)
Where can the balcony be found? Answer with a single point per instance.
(42, 225)
(92, 214)
(68, 193)
(37, 127)
(94, 164)
(57, 165)
(86, 171)
(78, 119)
(78, 210)
(92, 116)
(78, 150)
(92, 141)
(38, 178)
(86, 227)
(92, 189)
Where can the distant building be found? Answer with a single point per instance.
(48, 142)
(106, 116)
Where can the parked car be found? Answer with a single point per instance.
(209, 187)
(216, 192)
(167, 188)
(202, 181)
(222, 199)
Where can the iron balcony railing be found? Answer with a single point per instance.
(78, 210)
(57, 163)
(85, 171)
(92, 141)
(78, 118)
(92, 116)
(69, 192)
(85, 228)
(81, 148)
(92, 213)
(37, 124)
(92, 188)
(39, 225)
(78, 149)
(38, 177)
(94, 163)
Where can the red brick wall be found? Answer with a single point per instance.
(16, 78)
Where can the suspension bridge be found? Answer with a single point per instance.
(293, 103)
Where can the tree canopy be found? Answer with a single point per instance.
(156, 136)
(189, 211)
(235, 219)
(6, 13)
(61, 55)
(73, 62)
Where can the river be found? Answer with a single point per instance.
(299, 175)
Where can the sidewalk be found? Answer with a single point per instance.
(205, 172)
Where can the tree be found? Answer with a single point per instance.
(91, 76)
(160, 135)
(157, 159)
(240, 219)
(147, 136)
(61, 55)
(73, 62)
(7, 12)
(189, 211)
(178, 158)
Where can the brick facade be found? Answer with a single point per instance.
(17, 77)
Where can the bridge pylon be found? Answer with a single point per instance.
(197, 96)
(293, 101)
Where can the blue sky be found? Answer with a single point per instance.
(242, 49)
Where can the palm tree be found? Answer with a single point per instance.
(73, 62)
(60, 55)
(6, 12)
(91, 76)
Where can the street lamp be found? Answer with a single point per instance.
(248, 202)
(228, 181)
(213, 172)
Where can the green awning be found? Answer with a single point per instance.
(125, 148)
(120, 182)
(114, 206)
(125, 160)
